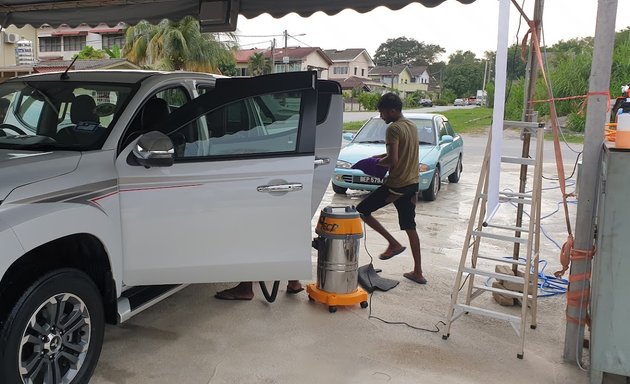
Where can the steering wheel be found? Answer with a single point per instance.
(11, 127)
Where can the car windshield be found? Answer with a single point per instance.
(374, 131)
(65, 115)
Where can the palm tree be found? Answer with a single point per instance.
(259, 64)
(176, 45)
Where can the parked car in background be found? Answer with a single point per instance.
(426, 102)
(440, 157)
(120, 187)
(459, 102)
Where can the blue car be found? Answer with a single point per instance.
(441, 151)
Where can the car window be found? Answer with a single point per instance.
(449, 129)
(441, 128)
(252, 126)
(373, 132)
(68, 115)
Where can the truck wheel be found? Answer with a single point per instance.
(54, 333)
(339, 190)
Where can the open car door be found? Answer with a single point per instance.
(236, 205)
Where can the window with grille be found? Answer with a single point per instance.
(50, 44)
(113, 39)
(73, 43)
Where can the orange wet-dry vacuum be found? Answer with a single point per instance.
(339, 236)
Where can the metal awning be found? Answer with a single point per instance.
(214, 15)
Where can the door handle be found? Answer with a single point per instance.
(321, 161)
(294, 187)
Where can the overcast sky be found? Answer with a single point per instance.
(452, 25)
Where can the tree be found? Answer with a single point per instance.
(89, 53)
(259, 64)
(228, 67)
(463, 74)
(402, 50)
(175, 45)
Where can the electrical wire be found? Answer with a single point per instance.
(370, 316)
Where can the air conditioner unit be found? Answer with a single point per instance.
(11, 38)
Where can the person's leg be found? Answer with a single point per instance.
(374, 201)
(406, 207)
(294, 286)
(243, 291)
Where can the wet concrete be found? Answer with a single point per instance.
(192, 338)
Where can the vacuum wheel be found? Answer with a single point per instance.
(332, 309)
(364, 304)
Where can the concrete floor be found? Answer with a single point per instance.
(192, 338)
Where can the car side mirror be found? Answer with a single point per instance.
(446, 139)
(348, 136)
(154, 149)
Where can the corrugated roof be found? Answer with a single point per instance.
(212, 14)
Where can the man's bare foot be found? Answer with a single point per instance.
(243, 291)
(415, 277)
(294, 286)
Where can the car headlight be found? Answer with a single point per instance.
(343, 164)
(423, 167)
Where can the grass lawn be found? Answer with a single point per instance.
(473, 120)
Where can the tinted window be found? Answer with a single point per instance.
(253, 126)
(64, 115)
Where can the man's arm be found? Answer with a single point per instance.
(390, 160)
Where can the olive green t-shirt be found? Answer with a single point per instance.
(405, 133)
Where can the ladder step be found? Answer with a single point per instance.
(518, 160)
(505, 292)
(498, 276)
(510, 239)
(508, 228)
(502, 260)
(515, 194)
(488, 313)
(518, 200)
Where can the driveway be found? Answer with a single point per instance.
(192, 338)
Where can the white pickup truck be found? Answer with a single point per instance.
(117, 187)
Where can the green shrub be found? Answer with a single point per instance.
(369, 100)
(440, 102)
(576, 122)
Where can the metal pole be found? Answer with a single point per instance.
(286, 36)
(532, 78)
(596, 112)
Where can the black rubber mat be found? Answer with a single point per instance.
(370, 280)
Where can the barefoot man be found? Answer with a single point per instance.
(400, 186)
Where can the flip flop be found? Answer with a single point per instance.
(226, 295)
(387, 256)
(294, 291)
(415, 279)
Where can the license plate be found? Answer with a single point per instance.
(369, 180)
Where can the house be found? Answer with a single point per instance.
(289, 60)
(83, 65)
(351, 68)
(18, 46)
(349, 62)
(64, 42)
(402, 77)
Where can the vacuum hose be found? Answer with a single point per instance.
(274, 292)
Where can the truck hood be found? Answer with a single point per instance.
(18, 168)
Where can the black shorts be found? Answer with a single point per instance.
(404, 199)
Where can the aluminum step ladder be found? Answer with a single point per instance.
(520, 234)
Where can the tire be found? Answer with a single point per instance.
(46, 338)
(454, 177)
(430, 194)
(339, 190)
